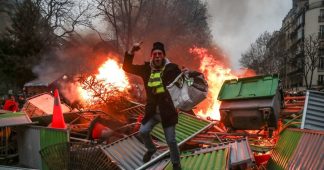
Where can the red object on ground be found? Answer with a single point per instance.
(138, 123)
(10, 105)
(57, 118)
(97, 129)
(261, 159)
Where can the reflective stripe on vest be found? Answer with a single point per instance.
(155, 82)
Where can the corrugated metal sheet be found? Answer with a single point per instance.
(309, 153)
(31, 139)
(284, 149)
(14, 119)
(313, 114)
(133, 112)
(216, 159)
(127, 152)
(50, 137)
(240, 151)
(186, 127)
(138, 109)
(76, 156)
(159, 165)
(28, 139)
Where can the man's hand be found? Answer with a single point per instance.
(136, 47)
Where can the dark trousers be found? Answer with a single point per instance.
(169, 134)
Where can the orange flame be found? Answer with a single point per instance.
(113, 77)
(216, 73)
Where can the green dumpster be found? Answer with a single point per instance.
(250, 103)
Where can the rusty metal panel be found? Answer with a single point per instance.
(240, 151)
(127, 153)
(14, 119)
(313, 114)
(284, 149)
(309, 153)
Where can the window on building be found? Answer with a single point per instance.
(321, 63)
(321, 12)
(321, 16)
(321, 52)
(321, 31)
(320, 79)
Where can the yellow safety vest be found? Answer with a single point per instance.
(155, 82)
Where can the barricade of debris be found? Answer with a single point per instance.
(95, 139)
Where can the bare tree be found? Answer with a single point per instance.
(255, 57)
(64, 15)
(310, 62)
(37, 26)
(103, 93)
(122, 15)
(274, 61)
(180, 24)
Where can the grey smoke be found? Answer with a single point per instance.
(235, 24)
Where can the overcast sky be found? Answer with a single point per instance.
(235, 24)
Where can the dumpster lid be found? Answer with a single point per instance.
(250, 87)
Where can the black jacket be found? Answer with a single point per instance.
(169, 115)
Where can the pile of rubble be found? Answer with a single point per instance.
(96, 140)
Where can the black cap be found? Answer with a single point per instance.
(158, 46)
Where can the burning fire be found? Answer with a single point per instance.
(216, 73)
(112, 73)
(112, 77)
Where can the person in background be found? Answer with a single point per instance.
(11, 104)
(157, 74)
(21, 101)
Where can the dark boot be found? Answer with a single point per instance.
(176, 166)
(148, 155)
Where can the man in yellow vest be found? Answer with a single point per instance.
(157, 74)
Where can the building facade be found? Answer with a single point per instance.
(305, 19)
